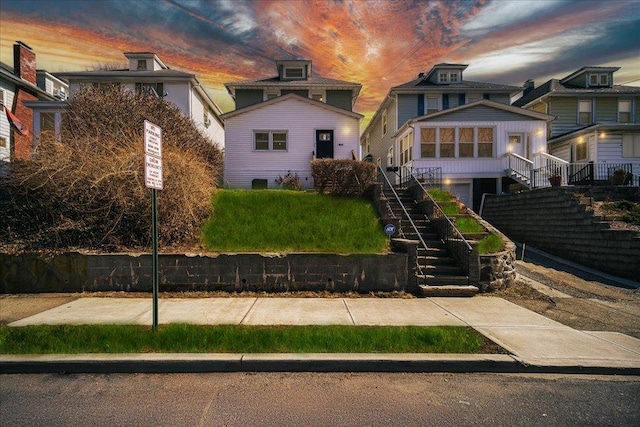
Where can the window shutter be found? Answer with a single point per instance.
(445, 101)
(421, 104)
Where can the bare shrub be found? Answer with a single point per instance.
(87, 188)
(343, 176)
(291, 181)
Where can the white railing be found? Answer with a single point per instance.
(519, 168)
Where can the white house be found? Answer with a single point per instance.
(281, 123)
(470, 144)
(144, 72)
(270, 139)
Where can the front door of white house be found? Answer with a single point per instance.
(324, 144)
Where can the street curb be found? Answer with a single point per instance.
(318, 362)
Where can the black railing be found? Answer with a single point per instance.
(386, 185)
(429, 177)
(457, 246)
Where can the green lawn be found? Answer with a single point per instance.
(292, 221)
(181, 338)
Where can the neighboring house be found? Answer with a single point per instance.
(470, 143)
(441, 88)
(18, 85)
(282, 123)
(596, 122)
(145, 72)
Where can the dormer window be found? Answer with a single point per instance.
(599, 79)
(448, 77)
(293, 73)
(142, 64)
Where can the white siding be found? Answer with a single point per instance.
(214, 132)
(300, 120)
(5, 127)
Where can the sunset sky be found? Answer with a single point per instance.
(380, 43)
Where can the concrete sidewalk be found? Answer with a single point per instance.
(535, 343)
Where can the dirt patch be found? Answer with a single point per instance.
(16, 307)
(585, 305)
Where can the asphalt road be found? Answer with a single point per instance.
(310, 399)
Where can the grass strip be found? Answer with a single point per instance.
(183, 338)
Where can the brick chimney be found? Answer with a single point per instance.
(24, 62)
(529, 85)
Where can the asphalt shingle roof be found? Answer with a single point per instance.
(555, 87)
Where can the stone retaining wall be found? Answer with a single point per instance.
(77, 272)
(552, 219)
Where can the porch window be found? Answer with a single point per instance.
(584, 112)
(630, 145)
(485, 142)
(465, 142)
(581, 151)
(428, 142)
(432, 104)
(624, 111)
(447, 142)
(270, 140)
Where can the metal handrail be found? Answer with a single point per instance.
(395, 194)
(452, 236)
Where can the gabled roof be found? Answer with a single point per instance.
(555, 87)
(287, 97)
(588, 69)
(483, 102)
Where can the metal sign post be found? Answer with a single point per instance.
(153, 180)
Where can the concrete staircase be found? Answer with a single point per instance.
(438, 273)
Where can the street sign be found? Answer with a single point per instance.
(152, 139)
(153, 172)
(153, 156)
(390, 229)
(153, 180)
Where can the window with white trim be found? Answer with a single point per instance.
(515, 138)
(454, 77)
(270, 140)
(485, 142)
(581, 150)
(317, 95)
(584, 112)
(466, 138)
(447, 142)
(431, 104)
(598, 79)
(293, 72)
(624, 111)
(384, 122)
(2, 101)
(390, 157)
(630, 145)
(428, 142)
(270, 95)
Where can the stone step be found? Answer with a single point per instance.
(448, 291)
(445, 279)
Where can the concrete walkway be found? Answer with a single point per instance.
(535, 343)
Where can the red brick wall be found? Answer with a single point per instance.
(24, 62)
(22, 145)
